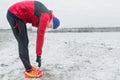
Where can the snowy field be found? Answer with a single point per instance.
(66, 56)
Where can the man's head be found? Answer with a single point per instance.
(54, 23)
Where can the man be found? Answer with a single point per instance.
(38, 15)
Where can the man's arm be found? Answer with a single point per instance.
(41, 33)
(40, 36)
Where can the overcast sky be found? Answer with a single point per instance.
(77, 13)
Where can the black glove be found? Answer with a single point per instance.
(38, 60)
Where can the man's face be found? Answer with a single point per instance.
(50, 24)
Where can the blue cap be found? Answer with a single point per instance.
(56, 22)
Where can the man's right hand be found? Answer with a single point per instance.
(38, 60)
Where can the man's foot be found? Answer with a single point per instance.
(33, 73)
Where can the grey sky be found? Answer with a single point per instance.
(78, 13)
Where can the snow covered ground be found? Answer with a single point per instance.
(66, 56)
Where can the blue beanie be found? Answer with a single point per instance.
(56, 22)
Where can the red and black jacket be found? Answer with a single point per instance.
(35, 13)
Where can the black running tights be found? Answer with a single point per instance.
(20, 33)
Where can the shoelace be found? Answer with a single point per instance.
(35, 69)
(34, 74)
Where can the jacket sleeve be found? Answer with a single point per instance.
(44, 18)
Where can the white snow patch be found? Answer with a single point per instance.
(66, 56)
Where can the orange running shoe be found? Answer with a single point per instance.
(34, 73)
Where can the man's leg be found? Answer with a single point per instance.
(20, 33)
